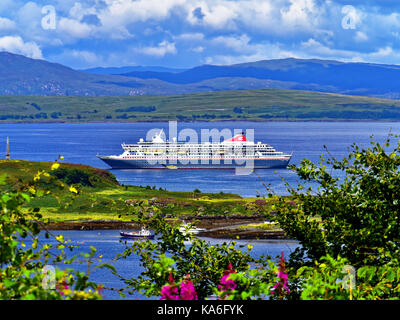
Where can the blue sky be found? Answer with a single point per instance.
(187, 33)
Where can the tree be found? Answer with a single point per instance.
(355, 217)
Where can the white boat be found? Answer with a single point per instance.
(188, 228)
(142, 234)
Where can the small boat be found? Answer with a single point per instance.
(142, 234)
(188, 228)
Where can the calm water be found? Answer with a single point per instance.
(79, 143)
(108, 244)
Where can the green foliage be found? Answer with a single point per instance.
(190, 255)
(254, 284)
(24, 258)
(72, 176)
(324, 281)
(356, 217)
(335, 279)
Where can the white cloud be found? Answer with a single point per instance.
(89, 57)
(15, 44)
(198, 49)
(29, 16)
(123, 12)
(7, 24)
(254, 52)
(220, 16)
(313, 48)
(360, 36)
(239, 44)
(196, 36)
(160, 50)
(82, 59)
(74, 28)
(303, 14)
(217, 14)
(78, 11)
(383, 52)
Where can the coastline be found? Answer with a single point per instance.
(197, 120)
(215, 227)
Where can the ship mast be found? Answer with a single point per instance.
(8, 150)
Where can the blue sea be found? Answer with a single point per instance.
(108, 244)
(80, 142)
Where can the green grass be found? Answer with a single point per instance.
(238, 105)
(261, 226)
(106, 199)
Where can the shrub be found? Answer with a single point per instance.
(28, 267)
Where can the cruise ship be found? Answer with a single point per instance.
(236, 152)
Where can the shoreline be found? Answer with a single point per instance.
(191, 121)
(215, 227)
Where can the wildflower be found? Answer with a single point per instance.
(188, 292)
(226, 283)
(62, 287)
(170, 292)
(281, 287)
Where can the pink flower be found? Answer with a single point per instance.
(227, 284)
(171, 291)
(281, 287)
(188, 292)
(61, 287)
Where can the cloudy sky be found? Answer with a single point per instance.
(187, 33)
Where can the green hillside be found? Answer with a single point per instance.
(101, 197)
(241, 105)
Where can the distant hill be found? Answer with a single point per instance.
(319, 75)
(20, 75)
(122, 70)
(232, 105)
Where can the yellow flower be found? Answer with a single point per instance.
(73, 189)
(55, 166)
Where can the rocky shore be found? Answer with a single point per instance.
(215, 227)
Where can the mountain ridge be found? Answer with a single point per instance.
(20, 75)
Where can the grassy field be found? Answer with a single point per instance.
(101, 197)
(240, 105)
